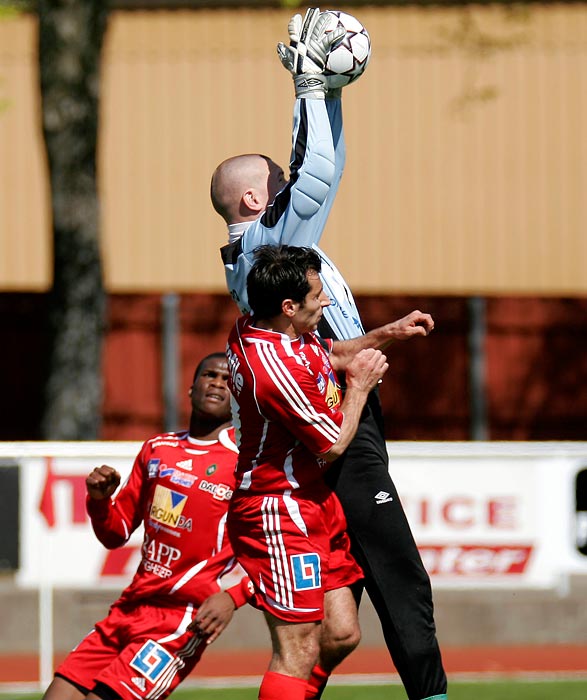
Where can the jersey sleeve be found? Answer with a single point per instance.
(299, 213)
(242, 592)
(334, 110)
(115, 519)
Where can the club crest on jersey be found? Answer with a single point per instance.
(167, 506)
(211, 469)
(321, 382)
(153, 468)
(151, 661)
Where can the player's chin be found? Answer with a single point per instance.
(217, 409)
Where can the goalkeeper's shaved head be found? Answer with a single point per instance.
(239, 187)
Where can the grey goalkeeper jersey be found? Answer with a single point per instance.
(299, 213)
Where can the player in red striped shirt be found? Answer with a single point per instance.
(179, 489)
(286, 526)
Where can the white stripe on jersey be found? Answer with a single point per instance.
(248, 475)
(220, 532)
(189, 574)
(182, 627)
(293, 509)
(290, 390)
(225, 441)
(288, 470)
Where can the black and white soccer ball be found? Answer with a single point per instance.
(349, 59)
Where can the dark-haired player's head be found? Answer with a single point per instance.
(279, 273)
(205, 361)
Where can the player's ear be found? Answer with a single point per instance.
(289, 307)
(251, 200)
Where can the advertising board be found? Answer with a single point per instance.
(483, 514)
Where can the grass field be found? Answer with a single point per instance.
(483, 690)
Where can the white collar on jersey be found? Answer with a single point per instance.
(235, 231)
(223, 439)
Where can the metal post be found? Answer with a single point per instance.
(170, 359)
(45, 634)
(477, 380)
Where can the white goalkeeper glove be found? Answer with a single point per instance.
(305, 57)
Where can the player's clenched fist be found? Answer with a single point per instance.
(102, 482)
(366, 369)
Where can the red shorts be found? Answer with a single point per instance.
(293, 549)
(140, 651)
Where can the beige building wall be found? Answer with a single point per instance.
(467, 149)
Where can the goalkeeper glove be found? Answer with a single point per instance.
(305, 57)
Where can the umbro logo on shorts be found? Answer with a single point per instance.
(383, 497)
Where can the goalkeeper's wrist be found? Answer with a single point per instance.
(310, 86)
(334, 93)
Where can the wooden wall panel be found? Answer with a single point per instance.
(25, 252)
(467, 156)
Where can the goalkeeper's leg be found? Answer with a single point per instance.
(383, 545)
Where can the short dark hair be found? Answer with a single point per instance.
(279, 272)
(211, 356)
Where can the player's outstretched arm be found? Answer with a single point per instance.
(413, 325)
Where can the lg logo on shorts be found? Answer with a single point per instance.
(306, 571)
(151, 660)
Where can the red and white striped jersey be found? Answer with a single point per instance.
(285, 404)
(180, 488)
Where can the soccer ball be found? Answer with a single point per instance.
(349, 59)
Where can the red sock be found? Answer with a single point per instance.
(316, 683)
(277, 686)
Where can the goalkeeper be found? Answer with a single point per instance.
(261, 207)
